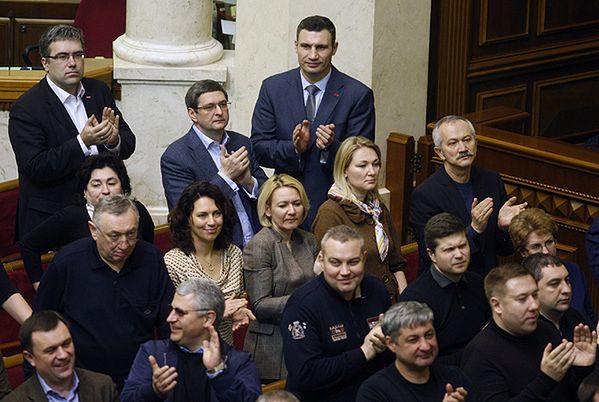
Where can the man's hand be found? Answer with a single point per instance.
(95, 133)
(233, 164)
(211, 356)
(457, 395)
(164, 378)
(108, 114)
(374, 342)
(508, 211)
(585, 346)
(301, 136)
(325, 135)
(481, 211)
(555, 363)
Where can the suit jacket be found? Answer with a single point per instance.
(93, 387)
(272, 271)
(64, 227)
(439, 193)
(592, 243)
(347, 103)
(187, 160)
(44, 140)
(239, 381)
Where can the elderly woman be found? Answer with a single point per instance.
(202, 230)
(354, 201)
(278, 260)
(534, 231)
(99, 176)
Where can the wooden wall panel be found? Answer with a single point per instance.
(514, 97)
(560, 15)
(502, 20)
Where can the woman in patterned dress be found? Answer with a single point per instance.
(202, 228)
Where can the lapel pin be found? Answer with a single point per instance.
(337, 94)
(88, 97)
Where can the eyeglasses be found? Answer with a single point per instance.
(538, 247)
(117, 238)
(182, 313)
(224, 105)
(64, 57)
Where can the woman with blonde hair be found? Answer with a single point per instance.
(278, 260)
(354, 201)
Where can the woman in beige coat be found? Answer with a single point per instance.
(278, 260)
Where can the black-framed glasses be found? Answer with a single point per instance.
(116, 238)
(64, 57)
(224, 105)
(179, 312)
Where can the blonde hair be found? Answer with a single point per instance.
(345, 154)
(268, 188)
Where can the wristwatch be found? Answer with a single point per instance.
(217, 370)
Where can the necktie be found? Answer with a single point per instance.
(311, 102)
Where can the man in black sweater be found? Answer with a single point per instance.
(555, 293)
(519, 358)
(415, 376)
(454, 293)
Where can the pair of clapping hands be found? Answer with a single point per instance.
(237, 310)
(581, 351)
(237, 166)
(301, 136)
(105, 132)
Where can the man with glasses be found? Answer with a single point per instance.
(55, 125)
(195, 364)
(111, 287)
(534, 231)
(210, 153)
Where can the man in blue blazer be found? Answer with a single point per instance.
(55, 125)
(476, 196)
(302, 115)
(209, 153)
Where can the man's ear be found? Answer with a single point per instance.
(335, 47)
(439, 153)
(495, 305)
(29, 357)
(431, 255)
(210, 319)
(44, 62)
(192, 115)
(391, 345)
(93, 230)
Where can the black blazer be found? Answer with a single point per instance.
(438, 193)
(44, 140)
(66, 226)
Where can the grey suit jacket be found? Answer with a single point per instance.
(272, 272)
(93, 387)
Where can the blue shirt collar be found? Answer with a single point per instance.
(53, 395)
(322, 84)
(207, 141)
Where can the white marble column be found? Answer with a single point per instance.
(167, 46)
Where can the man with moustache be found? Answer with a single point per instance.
(59, 122)
(415, 375)
(208, 152)
(111, 287)
(454, 293)
(517, 356)
(555, 293)
(332, 339)
(194, 364)
(474, 195)
(303, 115)
(48, 347)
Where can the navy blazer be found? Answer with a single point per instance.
(44, 140)
(187, 160)
(347, 103)
(438, 193)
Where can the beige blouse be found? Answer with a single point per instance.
(182, 267)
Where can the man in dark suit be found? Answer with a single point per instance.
(209, 153)
(55, 125)
(48, 347)
(474, 195)
(302, 115)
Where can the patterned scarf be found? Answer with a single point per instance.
(370, 207)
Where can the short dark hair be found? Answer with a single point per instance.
(201, 87)
(56, 33)
(101, 161)
(536, 262)
(42, 321)
(497, 278)
(589, 387)
(178, 218)
(317, 23)
(440, 226)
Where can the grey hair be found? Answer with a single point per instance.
(207, 296)
(448, 120)
(342, 234)
(116, 204)
(56, 33)
(278, 395)
(405, 314)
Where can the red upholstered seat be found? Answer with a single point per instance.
(9, 197)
